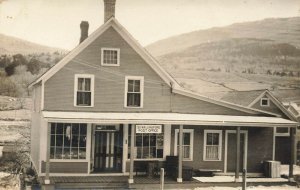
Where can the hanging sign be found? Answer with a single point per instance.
(148, 128)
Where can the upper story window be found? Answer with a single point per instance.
(110, 56)
(134, 91)
(84, 90)
(264, 102)
(212, 145)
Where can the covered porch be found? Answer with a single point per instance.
(179, 121)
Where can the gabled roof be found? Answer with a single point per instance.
(148, 59)
(243, 98)
(129, 39)
(268, 94)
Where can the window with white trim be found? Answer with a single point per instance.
(212, 145)
(264, 102)
(68, 141)
(110, 56)
(84, 90)
(134, 89)
(147, 145)
(187, 143)
(282, 131)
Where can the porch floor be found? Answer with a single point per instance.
(143, 182)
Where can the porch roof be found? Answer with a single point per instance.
(167, 118)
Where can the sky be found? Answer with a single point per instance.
(55, 23)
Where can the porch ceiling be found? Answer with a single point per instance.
(167, 118)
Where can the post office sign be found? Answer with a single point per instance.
(148, 128)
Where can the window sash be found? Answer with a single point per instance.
(212, 145)
(133, 93)
(134, 99)
(110, 57)
(84, 98)
(212, 152)
(83, 90)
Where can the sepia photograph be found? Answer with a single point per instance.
(150, 94)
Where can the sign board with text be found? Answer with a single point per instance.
(148, 128)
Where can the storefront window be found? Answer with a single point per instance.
(68, 141)
(147, 145)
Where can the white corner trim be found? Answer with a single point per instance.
(92, 77)
(219, 147)
(191, 132)
(273, 145)
(112, 49)
(42, 95)
(141, 79)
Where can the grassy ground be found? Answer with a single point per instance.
(14, 129)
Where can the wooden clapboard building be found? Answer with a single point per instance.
(108, 105)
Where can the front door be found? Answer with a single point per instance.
(108, 151)
(231, 151)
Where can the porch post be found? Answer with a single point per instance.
(47, 177)
(179, 179)
(130, 180)
(238, 145)
(292, 142)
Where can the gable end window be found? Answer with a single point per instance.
(84, 90)
(134, 91)
(212, 145)
(264, 102)
(110, 57)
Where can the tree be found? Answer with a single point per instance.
(34, 66)
(7, 87)
(22, 79)
(10, 69)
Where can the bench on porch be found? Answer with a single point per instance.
(140, 166)
(207, 172)
(150, 167)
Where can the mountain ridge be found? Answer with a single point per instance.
(281, 30)
(15, 45)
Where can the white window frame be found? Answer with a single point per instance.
(141, 78)
(220, 144)
(72, 159)
(282, 134)
(92, 77)
(191, 131)
(111, 49)
(261, 100)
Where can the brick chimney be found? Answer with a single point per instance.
(84, 26)
(109, 9)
